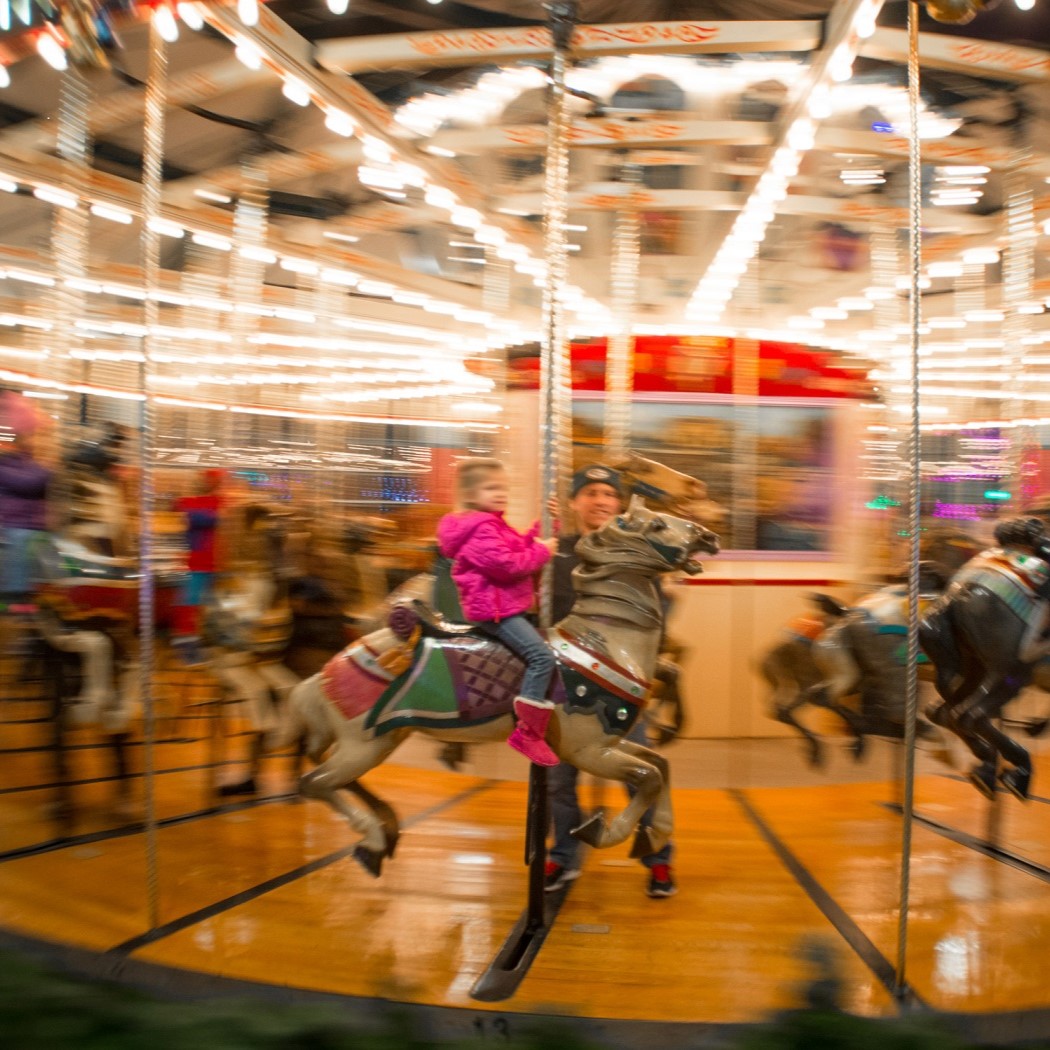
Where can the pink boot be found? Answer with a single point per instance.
(533, 716)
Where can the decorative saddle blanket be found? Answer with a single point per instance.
(473, 679)
(1015, 578)
(886, 613)
(805, 629)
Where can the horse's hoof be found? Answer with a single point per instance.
(452, 756)
(937, 714)
(858, 749)
(62, 813)
(643, 844)
(591, 831)
(983, 778)
(392, 838)
(926, 731)
(369, 859)
(815, 755)
(1035, 729)
(1016, 780)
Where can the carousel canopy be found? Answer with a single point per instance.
(352, 195)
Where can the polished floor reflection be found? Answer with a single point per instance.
(772, 858)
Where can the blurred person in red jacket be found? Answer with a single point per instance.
(202, 511)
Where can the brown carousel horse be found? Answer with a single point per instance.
(987, 636)
(454, 685)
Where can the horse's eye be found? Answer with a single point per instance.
(658, 526)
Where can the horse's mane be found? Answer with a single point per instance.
(617, 576)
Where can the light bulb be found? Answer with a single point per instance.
(190, 15)
(248, 54)
(338, 7)
(248, 11)
(51, 51)
(165, 22)
(296, 91)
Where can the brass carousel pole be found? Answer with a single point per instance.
(152, 161)
(901, 990)
(555, 389)
(619, 374)
(514, 958)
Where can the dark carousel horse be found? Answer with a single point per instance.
(839, 651)
(834, 651)
(454, 685)
(986, 636)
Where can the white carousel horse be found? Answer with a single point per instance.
(247, 630)
(455, 685)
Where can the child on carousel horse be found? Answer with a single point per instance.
(493, 566)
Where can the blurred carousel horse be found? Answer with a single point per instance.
(247, 629)
(837, 651)
(668, 489)
(452, 684)
(87, 592)
(833, 652)
(986, 636)
(337, 592)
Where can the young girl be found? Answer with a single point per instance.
(493, 565)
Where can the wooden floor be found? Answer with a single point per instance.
(771, 861)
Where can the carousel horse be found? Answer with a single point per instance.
(419, 674)
(833, 651)
(837, 651)
(668, 489)
(247, 628)
(986, 636)
(337, 592)
(86, 597)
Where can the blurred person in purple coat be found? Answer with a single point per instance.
(24, 483)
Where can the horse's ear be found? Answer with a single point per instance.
(632, 517)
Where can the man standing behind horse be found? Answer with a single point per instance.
(597, 495)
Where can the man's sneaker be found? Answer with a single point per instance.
(555, 876)
(661, 881)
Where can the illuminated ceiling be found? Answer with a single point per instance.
(415, 168)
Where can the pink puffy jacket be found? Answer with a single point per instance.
(492, 563)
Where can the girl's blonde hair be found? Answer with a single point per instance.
(470, 473)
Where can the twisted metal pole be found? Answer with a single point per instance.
(152, 184)
(555, 390)
(619, 374)
(555, 394)
(901, 990)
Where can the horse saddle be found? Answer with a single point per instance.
(435, 625)
(459, 677)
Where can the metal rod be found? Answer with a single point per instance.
(152, 184)
(555, 394)
(619, 370)
(915, 320)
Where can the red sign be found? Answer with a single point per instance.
(704, 365)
